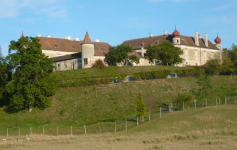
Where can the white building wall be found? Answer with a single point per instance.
(52, 53)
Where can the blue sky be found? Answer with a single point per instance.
(114, 21)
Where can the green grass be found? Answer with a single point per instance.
(108, 103)
(111, 70)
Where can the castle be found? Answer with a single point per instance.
(70, 54)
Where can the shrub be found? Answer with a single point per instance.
(99, 64)
(184, 97)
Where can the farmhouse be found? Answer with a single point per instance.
(196, 50)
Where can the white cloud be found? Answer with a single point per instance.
(14, 8)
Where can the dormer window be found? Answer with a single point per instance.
(56, 46)
(74, 47)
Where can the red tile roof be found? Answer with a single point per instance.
(66, 45)
(156, 40)
(87, 39)
(100, 53)
(134, 53)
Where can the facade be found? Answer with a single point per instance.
(196, 50)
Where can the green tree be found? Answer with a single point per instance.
(203, 89)
(213, 66)
(118, 54)
(134, 58)
(32, 84)
(185, 98)
(233, 55)
(152, 53)
(141, 108)
(228, 66)
(168, 53)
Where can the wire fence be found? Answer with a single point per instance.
(119, 124)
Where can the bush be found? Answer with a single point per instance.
(99, 64)
(184, 97)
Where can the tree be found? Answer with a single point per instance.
(233, 55)
(168, 53)
(32, 84)
(141, 108)
(134, 58)
(165, 52)
(118, 54)
(213, 66)
(228, 66)
(152, 53)
(185, 98)
(203, 89)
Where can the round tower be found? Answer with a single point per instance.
(218, 42)
(176, 38)
(87, 52)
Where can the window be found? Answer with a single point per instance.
(58, 67)
(85, 61)
(196, 53)
(56, 46)
(74, 47)
(204, 54)
(186, 52)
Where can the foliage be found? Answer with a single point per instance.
(32, 84)
(165, 52)
(228, 66)
(202, 91)
(233, 54)
(185, 98)
(141, 108)
(152, 53)
(168, 53)
(118, 54)
(99, 64)
(213, 66)
(134, 58)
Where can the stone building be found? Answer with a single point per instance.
(196, 50)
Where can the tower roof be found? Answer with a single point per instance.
(176, 33)
(87, 39)
(22, 35)
(217, 40)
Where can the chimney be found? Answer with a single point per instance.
(48, 36)
(199, 36)
(206, 39)
(151, 34)
(164, 32)
(196, 38)
(142, 54)
(68, 37)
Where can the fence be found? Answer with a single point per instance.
(116, 125)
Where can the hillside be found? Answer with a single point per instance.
(94, 104)
(204, 128)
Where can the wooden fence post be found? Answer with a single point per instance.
(71, 130)
(85, 129)
(126, 127)
(43, 130)
(216, 101)
(115, 126)
(19, 131)
(149, 115)
(160, 112)
(99, 129)
(183, 105)
(57, 131)
(219, 101)
(7, 132)
(137, 120)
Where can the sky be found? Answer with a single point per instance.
(114, 21)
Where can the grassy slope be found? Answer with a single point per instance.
(92, 72)
(203, 128)
(84, 105)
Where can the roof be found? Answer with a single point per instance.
(100, 53)
(156, 40)
(87, 39)
(66, 57)
(65, 45)
(134, 53)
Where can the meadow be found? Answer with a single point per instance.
(211, 127)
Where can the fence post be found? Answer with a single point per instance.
(43, 130)
(19, 132)
(71, 130)
(195, 104)
(99, 128)
(225, 100)
(126, 127)
(235, 98)
(206, 102)
(115, 126)
(219, 101)
(183, 105)
(137, 120)
(85, 129)
(149, 115)
(30, 131)
(171, 108)
(216, 101)
(7, 132)
(57, 131)
(160, 112)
